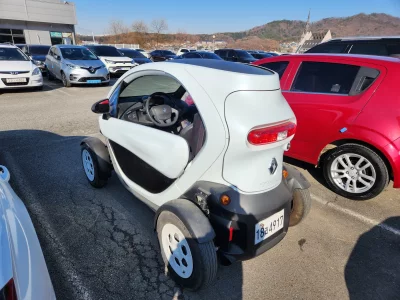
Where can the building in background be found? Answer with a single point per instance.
(46, 22)
(310, 39)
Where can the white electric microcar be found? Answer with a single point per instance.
(201, 142)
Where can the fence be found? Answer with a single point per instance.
(132, 46)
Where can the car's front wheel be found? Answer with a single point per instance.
(96, 177)
(190, 264)
(65, 80)
(355, 172)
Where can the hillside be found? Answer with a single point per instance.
(357, 25)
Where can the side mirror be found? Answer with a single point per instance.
(101, 107)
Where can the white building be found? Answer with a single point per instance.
(46, 22)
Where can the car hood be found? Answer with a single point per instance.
(15, 66)
(116, 58)
(39, 57)
(85, 63)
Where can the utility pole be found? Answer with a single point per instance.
(94, 41)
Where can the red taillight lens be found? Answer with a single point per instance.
(8, 292)
(271, 134)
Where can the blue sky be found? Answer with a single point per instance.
(209, 16)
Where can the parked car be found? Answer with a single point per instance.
(75, 65)
(235, 55)
(20, 45)
(147, 55)
(272, 53)
(224, 186)
(162, 55)
(383, 46)
(16, 69)
(348, 112)
(115, 62)
(23, 270)
(137, 56)
(37, 53)
(261, 55)
(201, 54)
(182, 51)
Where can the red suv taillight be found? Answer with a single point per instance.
(271, 133)
(8, 292)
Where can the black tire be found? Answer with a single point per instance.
(65, 81)
(105, 83)
(301, 206)
(381, 170)
(205, 263)
(39, 88)
(100, 178)
(50, 76)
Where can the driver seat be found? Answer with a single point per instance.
(194, 134)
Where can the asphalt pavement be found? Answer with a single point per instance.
(100, 243)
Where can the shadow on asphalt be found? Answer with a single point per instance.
(373, 268)
(98, 243)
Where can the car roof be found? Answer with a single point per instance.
(223, 65)
(70, 46)
(6, 45)
(339, 57)
(39, 45)
(364, 38)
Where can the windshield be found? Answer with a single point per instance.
(209, 55)
(13, 54)
(77, 54)
(244, 54)
(132, 53)
(167, 52)
(105, 51)
(38, 50)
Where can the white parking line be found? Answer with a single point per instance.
(58, 90)
(356, 215)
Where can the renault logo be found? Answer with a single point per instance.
(91, 70)
(14, 73)
(273, 167)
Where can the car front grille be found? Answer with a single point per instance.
(91, 70)
(14, 72)
(84, 79)
(14, 83)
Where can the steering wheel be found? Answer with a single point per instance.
(161, 115)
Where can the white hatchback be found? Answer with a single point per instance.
(17, 70)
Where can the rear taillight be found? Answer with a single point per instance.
(8, 292)
(271, 133)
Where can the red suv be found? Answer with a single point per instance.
(348, 114)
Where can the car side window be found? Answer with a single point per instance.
(278, 66)
(231, 54)
(369, 49)
(326, 78)
(51, 52)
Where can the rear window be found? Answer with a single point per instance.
(38, 50)
(328, 48)
(326, 78)
(278, 66)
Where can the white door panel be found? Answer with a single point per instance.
(166, 152)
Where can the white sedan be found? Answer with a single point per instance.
(23, 271)
(17, 70)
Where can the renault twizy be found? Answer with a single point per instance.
(201, 142)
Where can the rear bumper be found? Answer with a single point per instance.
(242, 214)
(393, 154)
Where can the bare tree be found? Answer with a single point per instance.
(117, 28)
(158, 26)
(181, 36)
(141, 31)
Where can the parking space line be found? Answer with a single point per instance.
(357, 216)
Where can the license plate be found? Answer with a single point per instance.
(269, 226)
(93, 81)
(12, 80)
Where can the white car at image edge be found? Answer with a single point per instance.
(23, 270)
(16, 69)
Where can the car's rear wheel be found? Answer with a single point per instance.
(355, 172)
(65, 80)
(50, 76)
(301, 206)
(190, 264)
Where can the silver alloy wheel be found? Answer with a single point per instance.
(64, 79)
(88, 164)
(176, 250)
(353, 173)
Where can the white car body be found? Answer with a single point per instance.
(18, 74)
(182, 51)
(241, 164)
(22, 265)
(117, 65)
